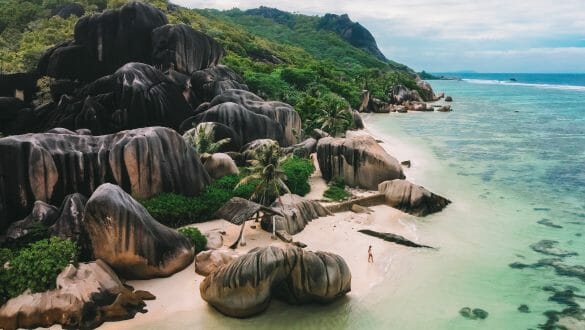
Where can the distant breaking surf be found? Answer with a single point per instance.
(513, 83)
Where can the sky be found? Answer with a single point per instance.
(456, 35)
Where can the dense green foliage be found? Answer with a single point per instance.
(286, 57)
(35, 267)
(297, 171)
(336, 190)
(176, 210)
(35, 233)
(195, 236)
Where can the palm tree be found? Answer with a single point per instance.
(266, 170)
(335, 119)
(203, 140)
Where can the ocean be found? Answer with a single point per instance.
(511, 157)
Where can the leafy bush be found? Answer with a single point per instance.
(198, 240)
(177, 210)
(297, 171)
(336, 190)
(35, 267)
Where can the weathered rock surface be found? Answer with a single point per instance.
(248, 125)
(426, 90)
(70, 224)
(358, 122)
(128, 239)
(47, 167)
(550, 247)
(401, 94)
(211, 82)
(448, 99)
(282, 113)
(42, 214)
(297, 211)
(207, 262)
(302, 149)
(359, 160)
(412, 198)
(66, 10)
(85, 297)
(104, 42)
(318, 134)
(214, 239)
(183, 49)
(389, 237)
(219, 165)
(22, 86)
(245, 287)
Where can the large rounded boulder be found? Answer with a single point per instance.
(211, 82)
(297, 211)
(47, 167)
(132, 242)
(245, 286)
(219, 165)
(359, 160)
(411, 198)
(282, 113)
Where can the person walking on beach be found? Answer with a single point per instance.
(370, 255)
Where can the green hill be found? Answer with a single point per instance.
(294, 58)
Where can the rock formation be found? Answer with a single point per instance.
(282, 113)
(86, 296)
(389, 237)
(298, 212)
(42, 214)
(211, 82)
(183, 49)
(218, 132)
(412, 198)
(358, 122)
(47, 167)
(219, 165)
(128, 239)
(245, 287)
(207, 262)
(22, 86)
(104, 42)
(359, 160)
(70, 224)
(302, 149)
(248, 125)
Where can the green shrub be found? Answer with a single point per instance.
(336, 190)
(297, 171)
(36, 267)
(198, 240)
(177, 210)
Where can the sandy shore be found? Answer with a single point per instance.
(178, 296)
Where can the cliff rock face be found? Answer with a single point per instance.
(128, 239)
(70, 224)
(248, 125)
(47, 167)
(412, 198)
(358, 159)
(282, 113)
(183, 49)
(104, 42)
(86, 296)
(352, 32)
(298, 212)
(245, 286)
(211, 82)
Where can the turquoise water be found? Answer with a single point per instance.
(512, 158)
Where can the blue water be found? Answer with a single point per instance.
(512, 157)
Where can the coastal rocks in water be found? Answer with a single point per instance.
(245, 286)
(282, 113)
(249, 126)
(47, 167)
(549, 223)
(475, 314)
(179, 47)
(426, 90)
(550, 247)
(411, 198)
(389, 237)
(401, 94)
(207, 262)
(445, 108)
(219, 165)
(297, 211)
(128, 239)
(104, 42)
(360, 160)
(211, 82)
(524, 308)
(448, 99)
(86, 296)
(302, 149)
(557, 264)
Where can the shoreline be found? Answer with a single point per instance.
(178, 298)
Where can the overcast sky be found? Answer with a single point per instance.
(453, 35)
